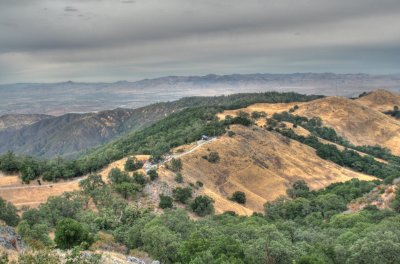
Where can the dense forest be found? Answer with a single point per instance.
(306, 227)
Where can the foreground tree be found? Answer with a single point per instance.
(70, 233)
(8, 213)
(202, 205)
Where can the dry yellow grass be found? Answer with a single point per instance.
(380, 100)
(34, 195)
(359, 124)
(262, 164)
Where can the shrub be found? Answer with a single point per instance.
(212, 157)
(299, 189)
(179, 177)
(8, 213)
(257, 115)
(231, 133)
(139, 178)
(152, 174)
(176, 165)
(182, 194)
(239, 197)
(133, 164)
(202, 205)
(199, 184)
(126, 189)
(117, 176)
(165, 201)
(70, 233)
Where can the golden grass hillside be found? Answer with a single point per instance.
(380, 100)
(260, 163)
(358, 123)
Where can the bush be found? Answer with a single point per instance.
(4, 258)
(126, 189)
(153, 175)
(133, 164)
(239, 197)
(396, 201)
(299, 189)
(182, 194)
(231, 133)
(179, 177)
(70, 233)
(165, 201)
(202, 205)
(199, 184)
(176, 165)
(117, 176)
(212, 157)
(257, 115)
(139, 178)
(8, 213)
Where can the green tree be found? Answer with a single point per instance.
(133, 164)
(182, 194)
(70, 233)
(299, 189)
(126, 189)
(36, 236)
(239, 197)
(396, 201)
(152, 174)
(9, 162)
(8, 213)
(176, 165)
(179, 177)
(117, 176)
(213, 157)
(91, 183)
(165, 201)
(202, 205)
(139, 178)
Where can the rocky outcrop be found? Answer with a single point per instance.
(9, 239)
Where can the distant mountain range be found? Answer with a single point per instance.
(71, 97)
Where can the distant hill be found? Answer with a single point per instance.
(15, 121)
(72, 97)
(380, 100)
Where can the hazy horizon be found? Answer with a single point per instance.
(200, 75)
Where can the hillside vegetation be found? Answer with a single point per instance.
(255, 187)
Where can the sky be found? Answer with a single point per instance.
(111, 40)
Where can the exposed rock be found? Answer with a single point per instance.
(9, 239)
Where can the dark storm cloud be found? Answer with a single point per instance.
(91, 39)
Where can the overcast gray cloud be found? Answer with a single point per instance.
(108, 40)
